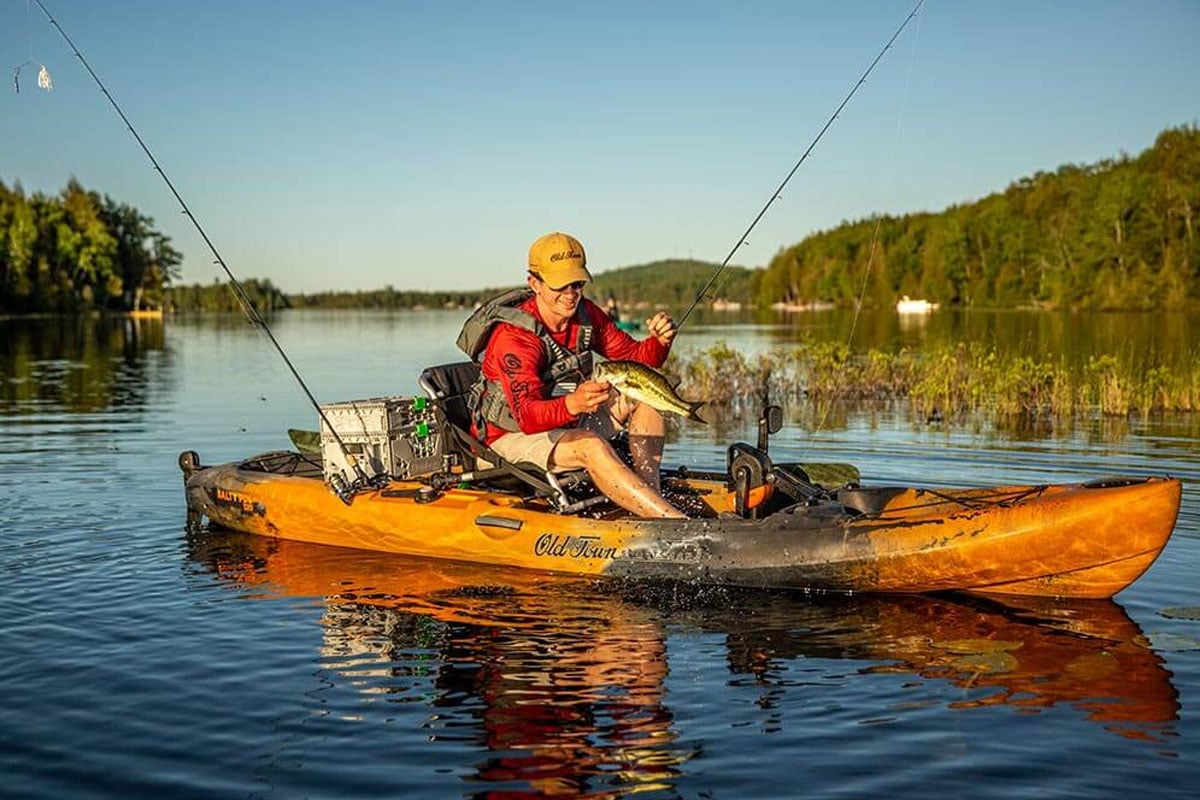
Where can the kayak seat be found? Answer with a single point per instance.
(448, 385)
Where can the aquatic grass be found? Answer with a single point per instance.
(722, 375)
(950, 381)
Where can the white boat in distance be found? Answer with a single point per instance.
(905, 305)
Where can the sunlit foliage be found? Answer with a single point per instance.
(78, 251)
(1119, 234)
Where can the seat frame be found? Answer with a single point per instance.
(448, 385)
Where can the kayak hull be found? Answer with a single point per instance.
(1088, 540)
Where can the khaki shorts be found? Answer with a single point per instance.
(535, 448)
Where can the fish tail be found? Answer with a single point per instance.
(694, 412)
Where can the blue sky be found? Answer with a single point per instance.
(425, 144)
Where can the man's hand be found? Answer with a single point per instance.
(587, 397)
(662, 327)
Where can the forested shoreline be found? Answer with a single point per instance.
(666, 283)
(78, 252)
(1116, 235)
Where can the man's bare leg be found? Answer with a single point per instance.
(581, 449)
(647, 437)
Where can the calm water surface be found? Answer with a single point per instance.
(140, 660)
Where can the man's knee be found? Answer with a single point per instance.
(646, 419)
(579, 448)
(646, 411)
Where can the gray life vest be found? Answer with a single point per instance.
(564, 371)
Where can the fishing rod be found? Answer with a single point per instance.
(247, 306)
(776, 194)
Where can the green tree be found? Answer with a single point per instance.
(18, 236)
(1120, 233)
(77, 252)
(147, 260)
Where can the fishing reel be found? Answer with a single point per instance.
(345, 490)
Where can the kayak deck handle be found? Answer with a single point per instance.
(493, 521)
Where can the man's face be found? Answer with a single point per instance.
(562, 301)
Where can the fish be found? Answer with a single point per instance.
(645, 385)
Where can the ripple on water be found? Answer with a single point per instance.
(138, 659)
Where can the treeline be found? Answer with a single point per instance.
(390, 298)
(1119, 234)
(219, 296)
(266, 297)
(673, 283)
(78, 251)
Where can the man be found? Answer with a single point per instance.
(530, 405)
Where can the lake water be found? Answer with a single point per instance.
(140, 660)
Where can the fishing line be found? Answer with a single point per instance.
(29, 25)
(742, 240)
(891, 171)
(874, 248)
(44, 81)
(243, 298)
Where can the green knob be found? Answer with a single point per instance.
(422, 430)
(419, 403)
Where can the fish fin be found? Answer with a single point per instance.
(306, 442)
(694, 412)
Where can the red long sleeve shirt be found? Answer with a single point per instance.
(516, 359)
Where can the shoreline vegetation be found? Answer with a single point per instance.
(80, 253)
(1119, 234)
(944, 383)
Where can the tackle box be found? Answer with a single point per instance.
(400, 437)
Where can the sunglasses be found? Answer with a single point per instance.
(576, 285)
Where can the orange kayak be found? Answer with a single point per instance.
(1085, 540)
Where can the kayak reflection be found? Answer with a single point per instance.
(562, 680)
(1027, 653)
(561, 685)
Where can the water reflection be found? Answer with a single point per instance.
(1027, 653)
(79, 364)
(562, 684)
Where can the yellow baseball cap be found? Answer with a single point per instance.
(558, 259)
